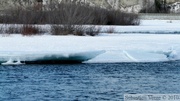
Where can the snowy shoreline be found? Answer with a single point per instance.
(117, 47)
(112, 47)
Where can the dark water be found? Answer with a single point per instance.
(87, 82)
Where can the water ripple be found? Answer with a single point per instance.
(90, 82)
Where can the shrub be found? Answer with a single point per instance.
(1, 29)
(5, 35)
(67, 29)
(1, 20)
(78, 30)
(28, 30)
(110, 30)
(116, 17)
(62, 29)
(13, 30)
(92, 31)
(71, 14)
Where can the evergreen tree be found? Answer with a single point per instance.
(161, 6)
(158, 5)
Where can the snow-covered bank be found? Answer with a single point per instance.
(151, 27)
(117, 47)
(114, 47)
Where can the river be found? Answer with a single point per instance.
(87, 82)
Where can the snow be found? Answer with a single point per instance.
(105, 48)
(150, 27)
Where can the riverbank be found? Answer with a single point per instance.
(152, 41)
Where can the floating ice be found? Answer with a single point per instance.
(18, 58)
(171, 54)
(135, 56)
(11, 62)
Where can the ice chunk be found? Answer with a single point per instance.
(12, 62)
(17, 58)
(170, 54)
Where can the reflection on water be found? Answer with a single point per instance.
(80, 82)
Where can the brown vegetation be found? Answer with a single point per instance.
(28, 30)
(110, 30)
(71, 14)
(78, 30)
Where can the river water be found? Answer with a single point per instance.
(87, 82)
